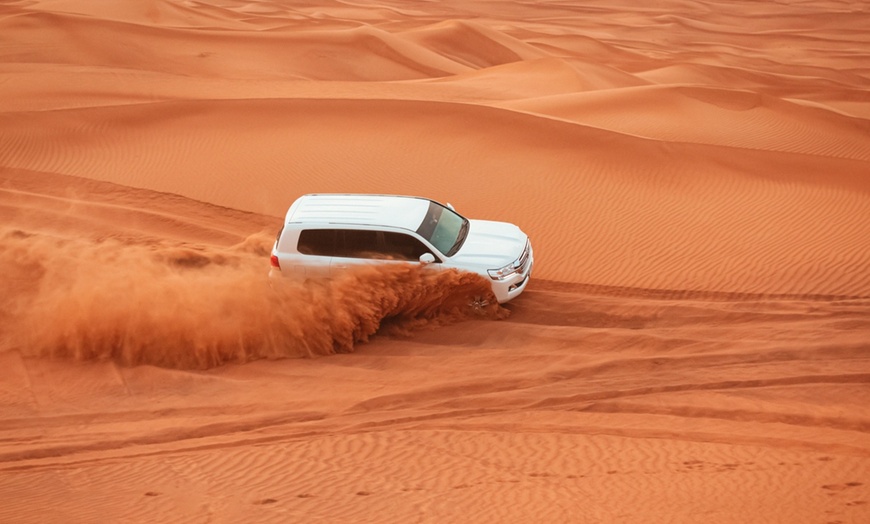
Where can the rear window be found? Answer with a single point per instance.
(319, 242)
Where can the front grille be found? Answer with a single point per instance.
(523, 261)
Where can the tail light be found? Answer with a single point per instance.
(274, 261)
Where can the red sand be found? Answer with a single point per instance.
(694, 347)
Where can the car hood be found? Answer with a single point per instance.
(490, 245)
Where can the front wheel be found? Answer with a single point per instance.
(478, 304)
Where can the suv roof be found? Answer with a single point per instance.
(371, 210)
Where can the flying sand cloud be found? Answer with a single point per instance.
(197, 308)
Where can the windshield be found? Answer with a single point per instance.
(444, 229)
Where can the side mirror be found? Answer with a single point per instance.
(427, 258)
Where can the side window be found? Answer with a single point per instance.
(357, 243)
(403, 247)
(360, 243)
(321, 242)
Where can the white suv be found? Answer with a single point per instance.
(324, 233)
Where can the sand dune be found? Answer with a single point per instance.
(693, 345)
(472, 44)
(744, 119)
(616, 204)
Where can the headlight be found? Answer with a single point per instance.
(503, 272)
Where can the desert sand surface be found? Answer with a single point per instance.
(694, 345)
